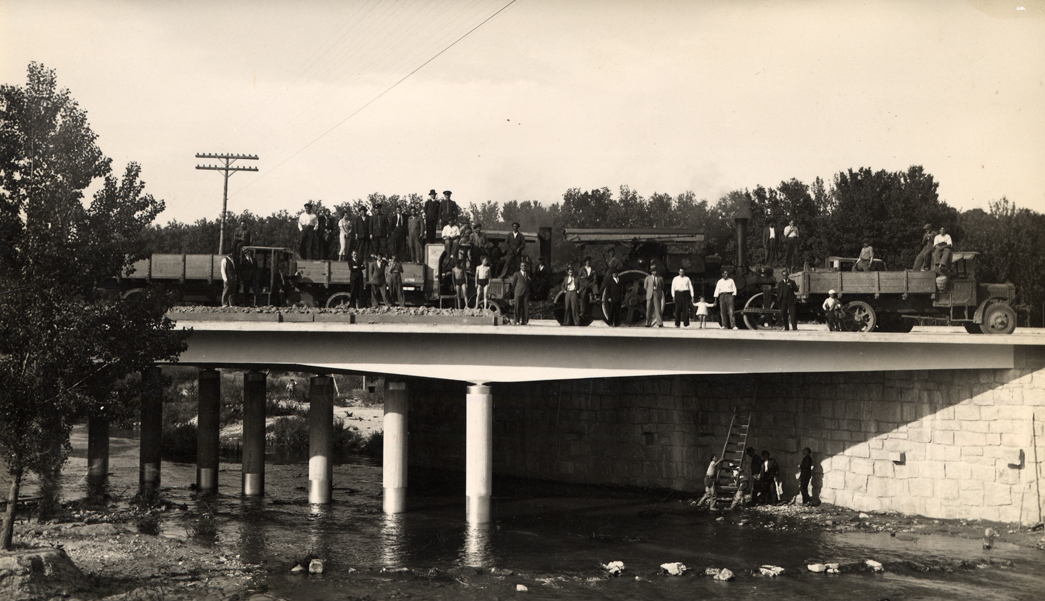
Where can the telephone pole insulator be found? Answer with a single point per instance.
(226, 167)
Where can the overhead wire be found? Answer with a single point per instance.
(375, 98)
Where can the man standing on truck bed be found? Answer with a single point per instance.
(447, 209)
(790, 244)
(431, 212)
(866, 259)
(379, 232)
(516, 241)
(307, 223)
(361, 231)
(414, 226)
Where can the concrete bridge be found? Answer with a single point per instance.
(683, 383)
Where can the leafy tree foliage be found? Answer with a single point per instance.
(65, 348)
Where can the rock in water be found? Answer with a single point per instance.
(724, 574)
(771, 571)
(315, 566)
(297, 569)
(675, 568)
(521, 588)
(874, 565)
(614, 567)
(38, 573)
(816, 568)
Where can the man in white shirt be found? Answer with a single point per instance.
(451, 234)
(682, 292)
(833, 310)
(790, 245)
(725, 290)
(228, 277)
(942, 250)
(307, 223)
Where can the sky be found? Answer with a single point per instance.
(500, 100)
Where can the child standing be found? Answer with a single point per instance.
(702, 311)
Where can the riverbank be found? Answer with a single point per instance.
(550, 538)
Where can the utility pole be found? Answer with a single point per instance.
(226, 166)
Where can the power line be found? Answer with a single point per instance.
(378, 97)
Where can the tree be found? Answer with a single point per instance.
(64, 346)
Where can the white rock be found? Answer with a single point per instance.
(724, 574)
(675, 568)
(614, 567)
(817, 568)
(874, 565)
(832, 568)
(315, 566)
(771, 571)
(297, 569)
(521, 588)
(864, 516)
(712, 572)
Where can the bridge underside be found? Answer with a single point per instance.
(520, 354)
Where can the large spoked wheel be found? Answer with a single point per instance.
(341, 300)
(765, 319)
(859, 317)
(999, 318)
(559, 309)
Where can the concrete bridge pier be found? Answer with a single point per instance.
(320, 439)
(151, 429)
(208, 430)
(97, 452)
(253, 483)
(395, 447)
(478, 453)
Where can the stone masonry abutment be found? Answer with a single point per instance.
(941, 443)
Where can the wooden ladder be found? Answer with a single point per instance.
(732, 456)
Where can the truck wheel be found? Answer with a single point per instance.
(762, 321)
(999, 318)
(859, 317)
(632, 302)
(341, 300)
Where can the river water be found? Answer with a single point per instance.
(553, 539)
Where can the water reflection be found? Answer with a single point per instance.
(320, 520)
(393, 540)
(252, 531)
(477, 546)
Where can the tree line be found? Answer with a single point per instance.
(887, 209)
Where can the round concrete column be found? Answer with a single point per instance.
(151, 429)
(395, 447)
(97, 453)
(254, 434)
(208, 431)
(320, 439)
(478, 453)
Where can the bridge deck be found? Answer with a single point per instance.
(544, 351)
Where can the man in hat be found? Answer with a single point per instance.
(361, 233)
(921, 262)
(431, 214)
(447, 209)
(521, 295)
(415, 229)
(516, 242)
(379, 232)
(654, 298)
(787, 300)
(833, 311)
(307, 223)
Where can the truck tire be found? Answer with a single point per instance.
(342, 300)
(999, 318)
(762, 321)
(859, 317)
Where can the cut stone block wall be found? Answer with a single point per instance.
(949, 443)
